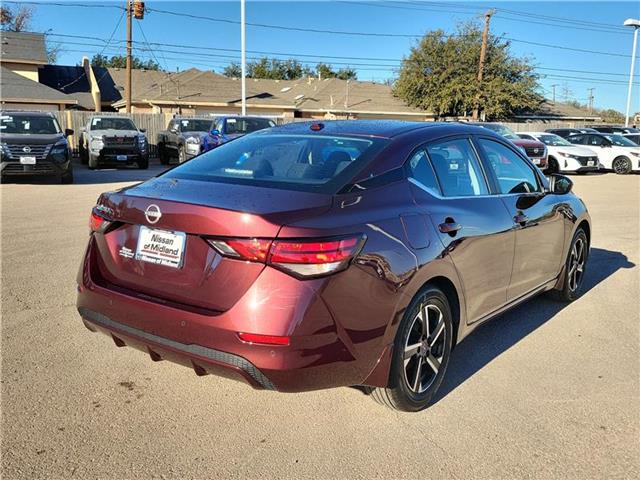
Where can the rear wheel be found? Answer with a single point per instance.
(621, 165)
(421, 353)
(574, 268)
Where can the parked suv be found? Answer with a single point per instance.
(615, 152)
(113, 140)
(184, 138)
(32, 143)
(616, 129)
(567, 132)
(535, 150)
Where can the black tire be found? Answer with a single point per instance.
(163, 155)
(182, 154)
(143, 164)
(84, 155)
(621, 165)
(432, 349)
(67, 177)
(572, 279)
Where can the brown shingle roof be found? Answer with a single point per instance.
(27, 47)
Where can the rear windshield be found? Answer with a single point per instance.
(506, 132)
(247, 125)
(34, 124)
(112, 124)
(311, 163)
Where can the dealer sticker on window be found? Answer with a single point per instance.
(160, 247)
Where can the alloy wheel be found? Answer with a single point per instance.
(576, 264)
(620, 166)
(424, 348)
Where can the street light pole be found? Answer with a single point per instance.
(243, 57)
(631, 22)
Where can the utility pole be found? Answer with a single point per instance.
(554, 91)
(590, 90)
(128, 77)
(243, 57)
(483, 54)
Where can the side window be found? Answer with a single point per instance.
(594, 140)
(421, 171)
(457, 168)
(513, 173)
(524, 136)
(577, 139)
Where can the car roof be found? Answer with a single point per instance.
(373, 128)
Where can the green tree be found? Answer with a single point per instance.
(120, 61)
(233, 70)
(440, 75)
(610, 115)
(324, 70)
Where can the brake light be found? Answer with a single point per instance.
(264, 339)
(97, 223)
(300, 257)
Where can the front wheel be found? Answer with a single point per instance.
(420, 354)
(622, 165)
(143, 164)
(67, 177)
(552, 166)
(574, 268)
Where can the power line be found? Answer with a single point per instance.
(65, 4)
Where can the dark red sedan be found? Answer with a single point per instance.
(318, 255)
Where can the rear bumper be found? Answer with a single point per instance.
(202, 359)
(42, 167)
(320, 354)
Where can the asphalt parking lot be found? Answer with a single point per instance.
(545, 391)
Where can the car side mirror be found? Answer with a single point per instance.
(559, 184)
(142, 130)
(68, 132)
(214, 133)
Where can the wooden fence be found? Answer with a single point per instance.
(153, 123)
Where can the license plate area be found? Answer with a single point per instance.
(591, 163)
(161, 247)
(28, 160)
(121, 158)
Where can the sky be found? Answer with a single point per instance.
(388, 30)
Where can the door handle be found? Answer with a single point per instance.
(450, 227)
(521, 218)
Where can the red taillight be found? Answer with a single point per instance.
(313, 252)
(301, 257)
(96, 222)
(264, 339)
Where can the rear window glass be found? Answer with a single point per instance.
(298, 162)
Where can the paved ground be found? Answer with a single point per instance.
(546, 391)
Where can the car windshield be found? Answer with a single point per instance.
(195, 125)
(506, 132)
(106, 123)
(620, 141)
(311, 163)
(247, 125)
(25, 124)
(553, 140)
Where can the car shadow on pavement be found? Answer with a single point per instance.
(500, 334)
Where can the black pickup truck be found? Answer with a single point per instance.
(33, 144)
(184, 138)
